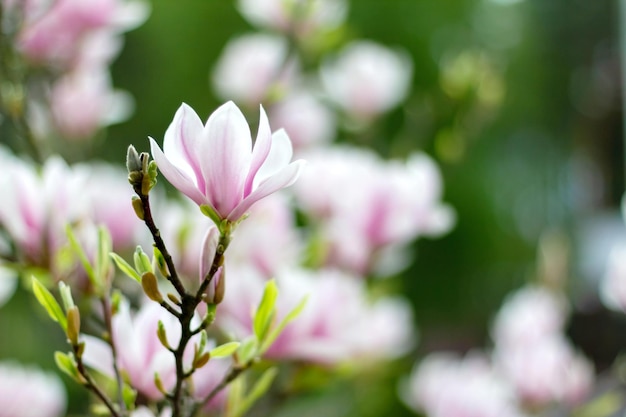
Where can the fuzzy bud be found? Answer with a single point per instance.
(151, 287)
(73, 325)
(138, 207)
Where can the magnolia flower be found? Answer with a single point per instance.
(307, 121)
(29, 392)
(367, 78)
(215, 165)
(252, 67)
(443, 385)
(140, 354)
(323, 333)
(294, 15)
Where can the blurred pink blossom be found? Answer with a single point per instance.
(367, 205)
(253, 67)
(532, 352)
(30, 392)
(216, 164)
(83, 101)
(307, 121)
(444, 385)
(367, 79)
(338, 323)
(53, 32)
(141, 354)
(301, 17)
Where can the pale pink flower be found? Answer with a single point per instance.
(297, 16)
(546, 371)
(338, 323)
(367, 79)
(141, 354)
(368, 205)
(216, 165)
(528, 316)
(83, 101)
(307, 121)
(267, 239)
(444, 385)
(53, 32)
(252, 67)
(30, 392)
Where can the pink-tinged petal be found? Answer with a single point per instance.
(261, 149)
(207, 254)
(284, 178)
(180, 143)
(175, 176)
(278, 158)
(225, 152)
(97, 355)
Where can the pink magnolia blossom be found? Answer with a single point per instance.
(253, 67)
(30, 392)
(297, 16)
(83, 101)
(443, 385)
(532, 352)
(367, 79)
(338, 323)
(367, 205)
(53, 32)
(307, 121)
(141, 354)
(215, 164)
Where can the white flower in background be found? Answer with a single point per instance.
(367, 79)
(613, 284)
(532, 352)
(251, 67)
(299, 16)
(30, 392)
(444, 385)
(307, 121)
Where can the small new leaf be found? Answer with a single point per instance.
(142, 261)
(73, 325)
(67, 365)
(260, 387)
(47, 300)
(277, 330)
(265, 311)
(226, 349)
(125, 267)
(202, 360)
(162, 335)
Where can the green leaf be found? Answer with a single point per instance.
(277, 330)
(66, 363)
(129, 395)
(47, 300)
(226, 349)
(260, 387)
(236, 391)
(265, 311)
(75, 245)
(142, 261)
(125, 267)
(102, 259)
(248, 349)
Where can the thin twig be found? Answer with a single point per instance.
(106, 306)
(91, 385)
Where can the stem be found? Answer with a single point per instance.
(91, 385)
(106, 306)
(233, 374)
(172, 277)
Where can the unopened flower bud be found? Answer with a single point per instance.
(138, 207)
(217, 288)
(159, 384)
(142, 261)
(151, 287)
(173, 299)
(162, 335)
(133, 162)
(202, 360)
(160, 262)
(73, 325)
